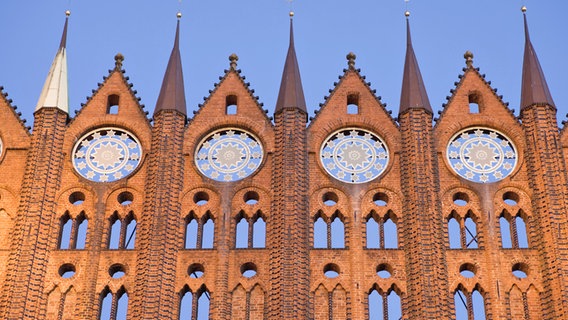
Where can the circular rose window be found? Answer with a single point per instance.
(354, 155)
(482, 155)
(229, 155)
(106, 154)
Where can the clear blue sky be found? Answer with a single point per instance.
(257, 30)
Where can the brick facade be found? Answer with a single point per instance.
(291, 192)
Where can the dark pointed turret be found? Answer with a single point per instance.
(172, 94)
(291, 93)
(534, 89)
(413, 91)
(55, 90)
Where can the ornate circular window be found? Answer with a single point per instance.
(354, 155)
(481, 155)
(106, 154)
(229, 155)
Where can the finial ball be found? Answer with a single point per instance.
(291, 14)
(178, 15)
(524, 8)
(407, 13)
(67, 13)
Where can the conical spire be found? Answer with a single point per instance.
(291, 93)
(413, 93)
(55, 90)
(534, 88)
(172, 94)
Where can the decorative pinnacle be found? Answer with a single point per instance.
(351, 60)
(468, 58)
(291, 14)
(524, 9)
(118, 59)
(233, 58)
(407, 13)
(178, 15)
(67, 13)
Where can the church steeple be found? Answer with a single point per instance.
(172, 94)
(534, 89)
(291, 93)
(55, 90)
(413, 93)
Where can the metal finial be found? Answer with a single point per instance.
(291, 14)
(178, 15)
(468, 58)
(118, 59)
(407, 13)
(524, 9)
(351, 60)
(233, 58)
(67, 13)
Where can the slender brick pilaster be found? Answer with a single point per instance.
(288, 234)
(426, 269)
(33, 237)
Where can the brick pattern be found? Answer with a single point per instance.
(418, 186)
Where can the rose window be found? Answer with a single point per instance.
(229, 155)
(106, 154)
(482, 155)
(354, 155)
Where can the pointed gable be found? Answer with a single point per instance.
(172, 93)
(413, 93)
(534, 88)
(55, 90)
(473, 100)
(291, 94)
(231, 100)
(113, 101)
(13, 132)
(352, 99)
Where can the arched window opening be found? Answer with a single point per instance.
(320, 233)
(65, 236)
(337, 233)
(505, 228)
(391, 234)
(470, 228)
(115, 230)
(259, 233)
(242, 234)
(105, 312)
(454, 233)
(231, 104)
(469, 306)
(383, 305)
(353, 103)
(130, 233)
(203, 305)
(191, 232)
(522, 236)
(122, 306)
(186, 305)
(208, 233)
(372, 233)
(112, 104)
(81, 234)
(513, 231)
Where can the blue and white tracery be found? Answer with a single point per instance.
(354, 155)
(106, 154)
(482, 155)
(229, 155)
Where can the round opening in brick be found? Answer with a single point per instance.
(248, 270)
(77, 198)
(117, 271)
(331, 270)
(67, 271)
(384, 270)
(520, 270)
(468, 270)
(196, 271)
